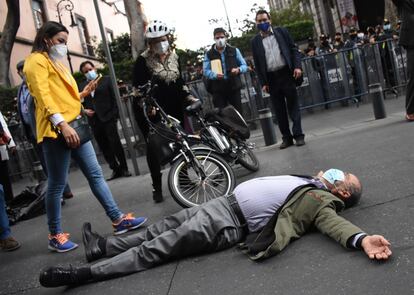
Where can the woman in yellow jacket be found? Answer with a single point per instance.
(58, 103)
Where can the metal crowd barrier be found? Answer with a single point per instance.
(330, 78)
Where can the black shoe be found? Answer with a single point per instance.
(90, 242)
(115, 174)
(126, 173)
(286, 144)
(157, 196)
(68, 195)
(300, 141)
(59, 276)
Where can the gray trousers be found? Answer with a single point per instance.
(207, 228)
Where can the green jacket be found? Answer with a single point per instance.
(308, 207)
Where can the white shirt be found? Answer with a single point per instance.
(274, 58)
(3, 148)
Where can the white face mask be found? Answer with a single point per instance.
(221, 42)
(58, 51)
(361, 35)
(162, 47)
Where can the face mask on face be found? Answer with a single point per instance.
(387, 27)
(361, 35)
(162, 47)
(91, 75)
(333, 175)
(264, 27)
(58, 51)
(221, 42)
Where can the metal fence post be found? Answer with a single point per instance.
(268, 128)
(377, 96)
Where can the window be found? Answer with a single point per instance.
(38, 13)
(84, 37)
(109, 35)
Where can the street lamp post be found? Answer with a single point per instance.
(68, 7)
(228, 20)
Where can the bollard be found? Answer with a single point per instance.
(265, 116)
(377, 96)
(38, 171)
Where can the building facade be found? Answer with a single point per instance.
(332, 16)
(83, 37)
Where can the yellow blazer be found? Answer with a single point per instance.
(54, 91)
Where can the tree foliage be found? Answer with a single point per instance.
(120, 49)
(188, 56)
(299, 24)
(7, 101)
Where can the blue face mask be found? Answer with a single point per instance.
(91, 75)
(387, 27)
(333, 175)
(264, 27)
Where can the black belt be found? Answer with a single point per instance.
(280, 71)
(239, 214)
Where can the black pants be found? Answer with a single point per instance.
(153, 160)
(285, 100)
(409, 102)
(224, 98)
(5, 181)
(107, 137)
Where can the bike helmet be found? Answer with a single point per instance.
(157, 29)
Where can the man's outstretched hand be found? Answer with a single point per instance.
(376, 247)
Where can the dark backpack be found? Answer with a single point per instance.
(230, 120)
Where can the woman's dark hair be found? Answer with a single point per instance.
(47, 31)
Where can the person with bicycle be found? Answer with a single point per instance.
(159, 64)
(263, 214)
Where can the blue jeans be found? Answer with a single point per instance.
(57, 157)
(4, 220)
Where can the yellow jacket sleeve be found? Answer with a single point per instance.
(37, 75)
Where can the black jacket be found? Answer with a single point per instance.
(287, 47)
(406, 10)
(103, 102)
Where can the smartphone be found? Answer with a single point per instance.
(98, 78)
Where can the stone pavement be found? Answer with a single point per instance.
(380, 152)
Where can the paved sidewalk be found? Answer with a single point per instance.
(379, 151)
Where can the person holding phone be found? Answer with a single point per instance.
(102, 111)
(58, 103)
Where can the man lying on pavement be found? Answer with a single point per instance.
(263, 214)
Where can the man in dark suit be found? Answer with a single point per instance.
(102, 111)
(406, 10)
(278, 65)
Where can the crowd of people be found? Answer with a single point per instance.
(54, 108)
(354, 38)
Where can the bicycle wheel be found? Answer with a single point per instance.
(247, 158)
(188, 189)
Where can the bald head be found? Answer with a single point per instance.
(354, 188)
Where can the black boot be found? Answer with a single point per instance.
(157, 189)
(93, 243)
(60, 276)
